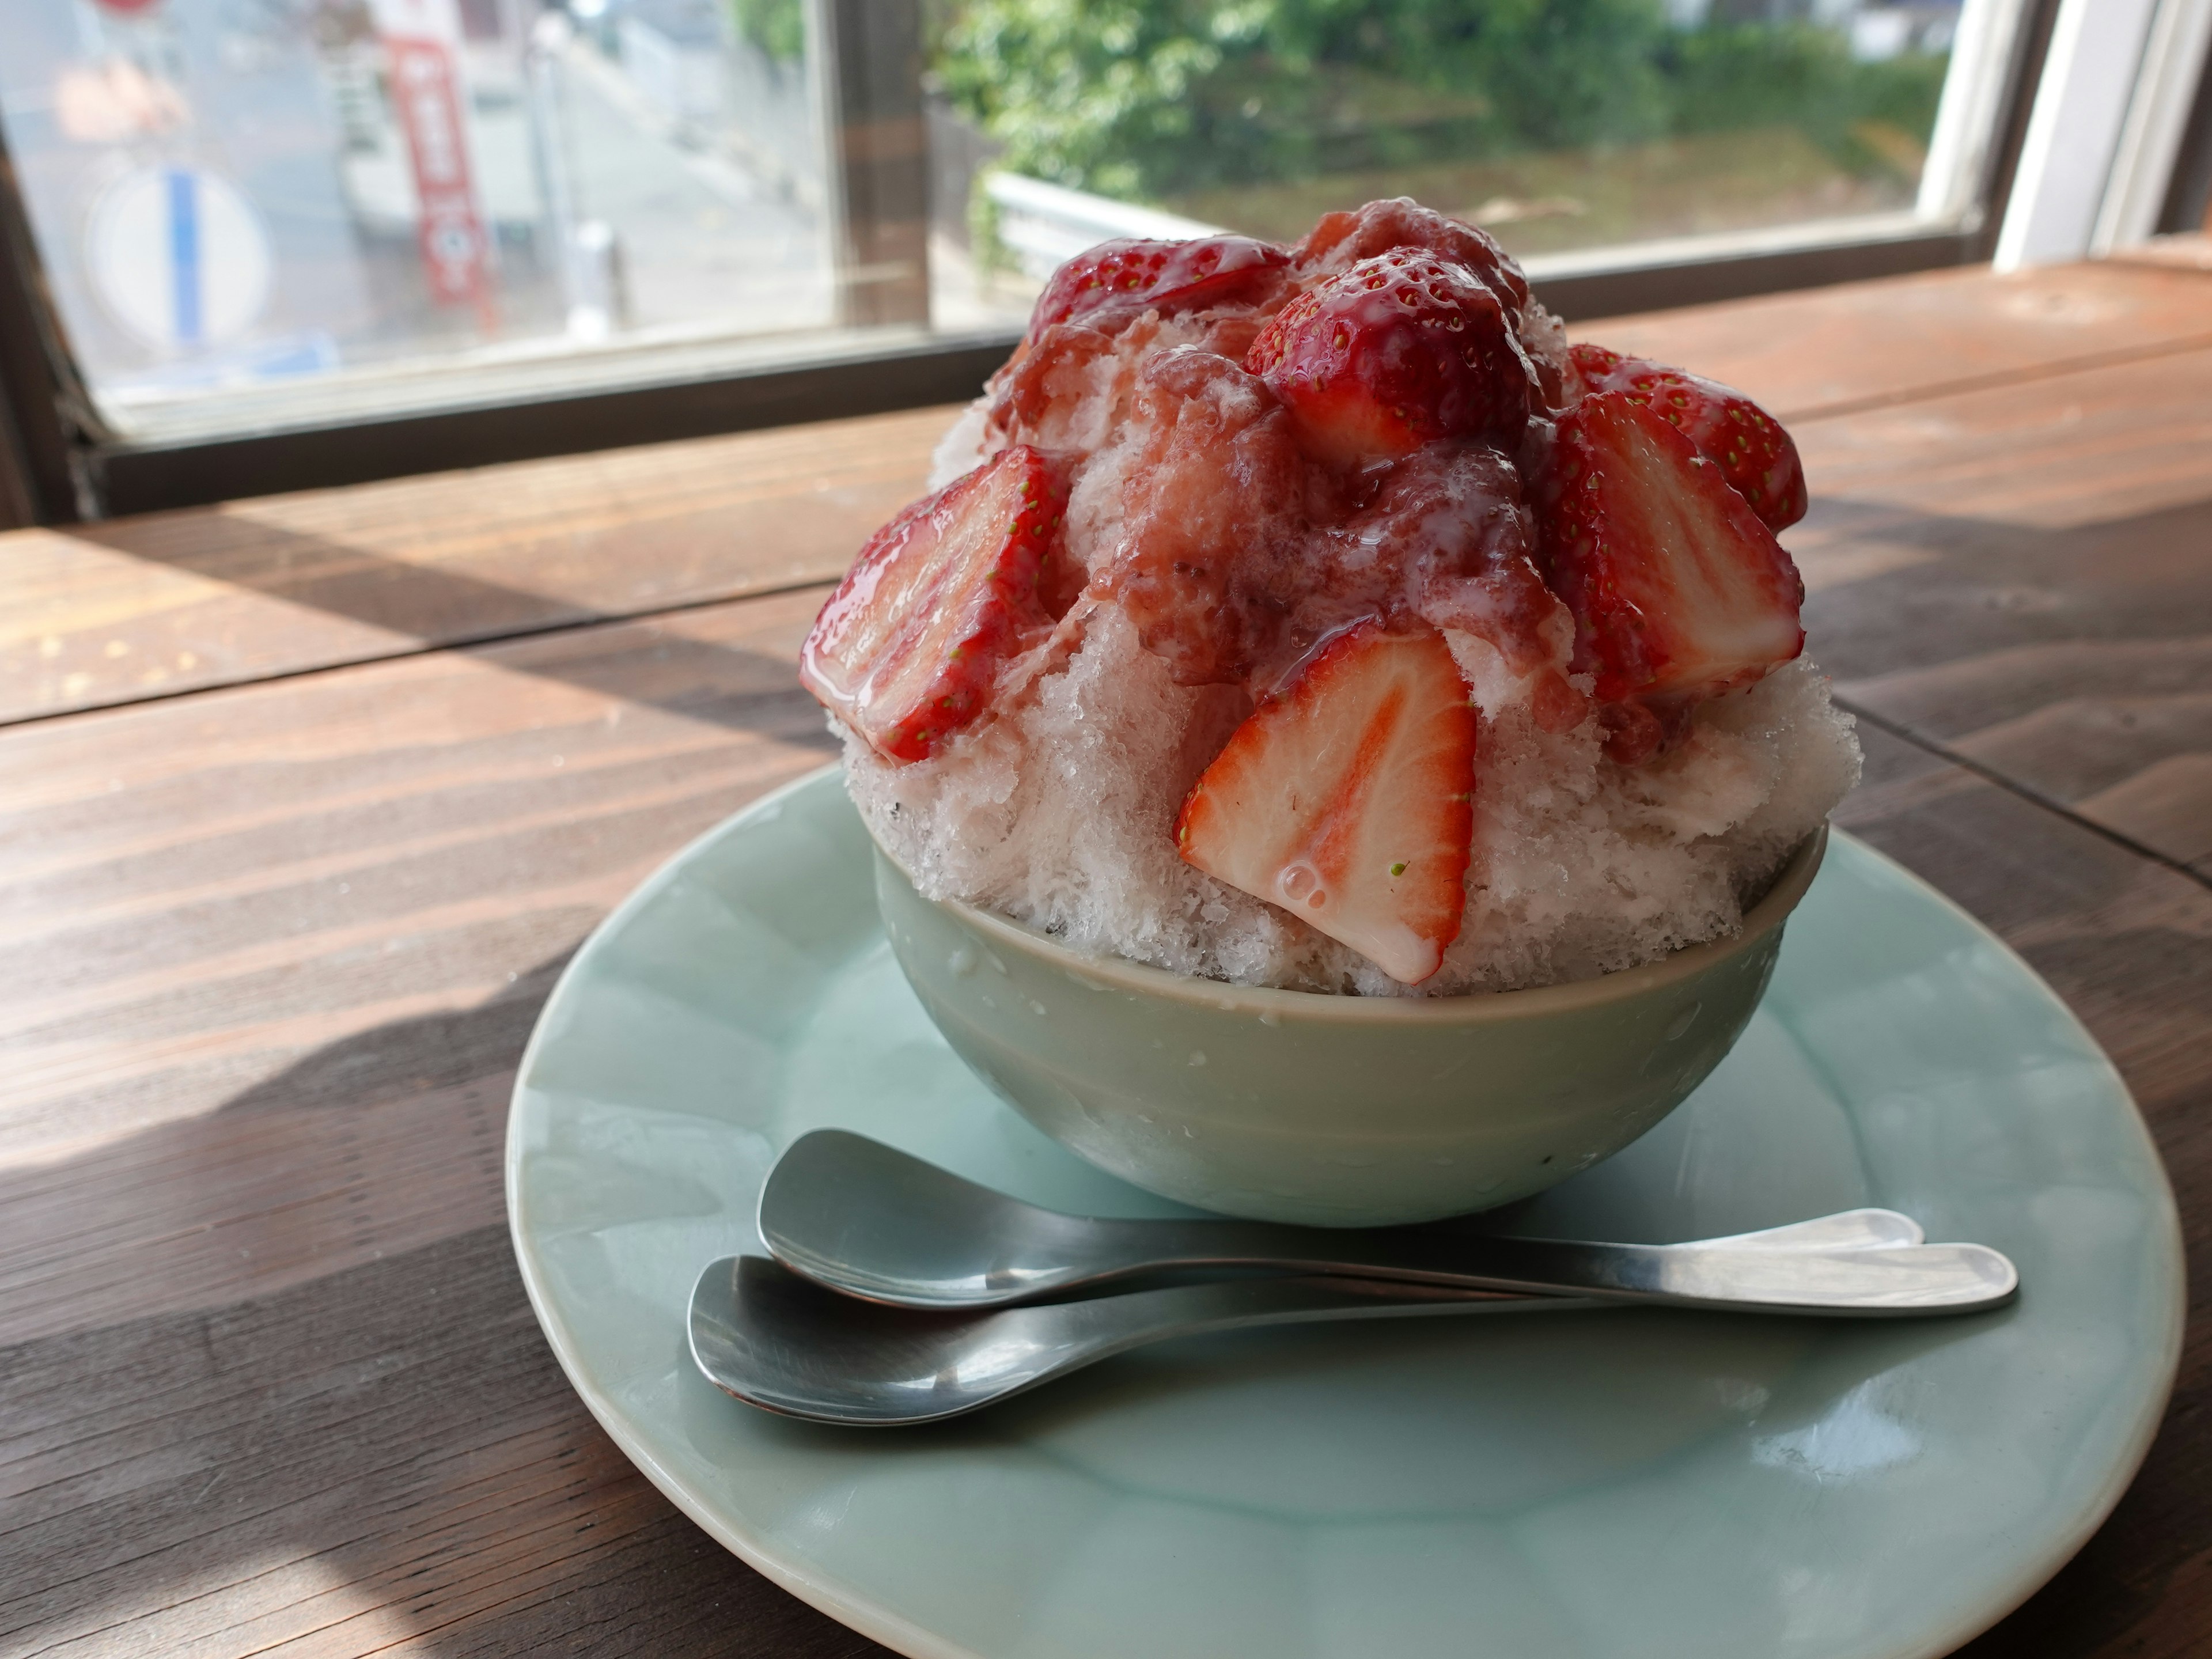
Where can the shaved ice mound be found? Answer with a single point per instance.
(1060, 816)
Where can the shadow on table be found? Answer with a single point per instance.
(1895, 591)
(443, 609)
(382, 1455)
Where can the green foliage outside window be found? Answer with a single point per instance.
(777, 27)
(1156, 99)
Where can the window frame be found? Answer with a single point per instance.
(38, 479)
(59, 463)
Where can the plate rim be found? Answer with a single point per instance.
(849, 1605)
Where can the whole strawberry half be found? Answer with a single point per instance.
(909, 648)
(1678, 589)
(1339, 241)
(1396, 352)
(1748, 445)
(1347, 799)
(1117, 281)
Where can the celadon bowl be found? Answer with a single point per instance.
(1328, 1110)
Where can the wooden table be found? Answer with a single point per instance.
(304, 801)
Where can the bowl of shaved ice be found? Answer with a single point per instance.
(1336, 751)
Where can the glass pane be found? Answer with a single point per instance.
(258, 211)
(238, 192)
(1559, 125)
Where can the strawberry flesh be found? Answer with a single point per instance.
(1748, 445)
(1346, 798)
(1679, 591)
(1396, 352)
(910, 647)
(1117, 281)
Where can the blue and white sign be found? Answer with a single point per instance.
(179, 256)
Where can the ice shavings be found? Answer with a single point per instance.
(1059, 814)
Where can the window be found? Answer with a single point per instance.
(261, 220)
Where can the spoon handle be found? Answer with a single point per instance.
(1751, 1272)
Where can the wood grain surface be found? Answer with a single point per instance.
(1829, 351)
(2031, 585)
(268, 1382)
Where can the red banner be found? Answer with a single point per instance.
(425, 97)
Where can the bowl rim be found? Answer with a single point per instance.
(1276, 1004)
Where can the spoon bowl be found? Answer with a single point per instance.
(772, 1339)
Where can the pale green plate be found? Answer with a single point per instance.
(1635, 1484)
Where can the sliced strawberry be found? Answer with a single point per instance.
(1117, 281)
(909, 648)
(1748, 445)
(1398, 351)
(1339, 241)
(1678, 589)
(1347, 799)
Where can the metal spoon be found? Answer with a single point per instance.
(772, 1339)
(872, 1222)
